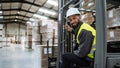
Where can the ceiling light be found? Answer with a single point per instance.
(28, 22)
(1, 16)
(55, 3)
(93, 11)
(82, 9)
(0, 12)
(88, 10)
(47, 11)
(39, 16)
(16, 16)
(15, 20)
(32, 19)
(18, 12)
(90, 4)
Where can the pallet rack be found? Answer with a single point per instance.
(101, 6)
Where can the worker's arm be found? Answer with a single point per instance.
(86, 39)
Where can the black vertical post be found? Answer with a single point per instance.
(19, 34)
(48, 48)
(53, 39)
(6, 33)
(60, 4)
(41, 38)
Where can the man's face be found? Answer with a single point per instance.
(74, 20)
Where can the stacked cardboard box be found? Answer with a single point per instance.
(36, 33)
(44, 54)
(113, 24)
(5, 36)
(113, 33)
(47, 31)
(88, 18)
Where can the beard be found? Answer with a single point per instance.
(74, 26)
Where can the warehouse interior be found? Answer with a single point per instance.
(32, 35)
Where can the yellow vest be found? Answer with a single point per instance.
(89, 28)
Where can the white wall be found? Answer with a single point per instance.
(13, 29)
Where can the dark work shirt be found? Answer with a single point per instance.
(86, 39)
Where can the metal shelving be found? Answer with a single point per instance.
(100, 7)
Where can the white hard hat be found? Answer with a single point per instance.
(72, 11)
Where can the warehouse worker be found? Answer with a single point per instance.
(85, 36)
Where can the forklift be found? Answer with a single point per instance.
(107, 53)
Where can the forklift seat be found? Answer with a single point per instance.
(91, 65)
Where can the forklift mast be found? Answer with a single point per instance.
(103, 59)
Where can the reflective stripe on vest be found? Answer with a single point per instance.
(89, 28)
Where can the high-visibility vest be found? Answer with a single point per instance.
(91, 29)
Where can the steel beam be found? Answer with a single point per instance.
(17, 10)
(60, 2)
(25, 11)
(78, 3)
(115, 3)
(16, 15)
(100, 54)
(9, 19)
(112, 7)
(17, 22)
(27, 2)
(66, 6)
(9, 1)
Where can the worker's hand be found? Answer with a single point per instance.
(67, 27)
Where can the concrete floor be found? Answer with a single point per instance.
(16, 56)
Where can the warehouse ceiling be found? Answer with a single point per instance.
(23, 11)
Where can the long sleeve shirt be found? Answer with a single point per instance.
(86, 39)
